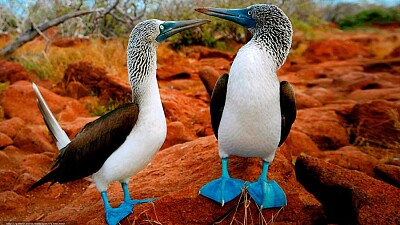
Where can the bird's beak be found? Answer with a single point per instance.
(169, 28)
(239, 16)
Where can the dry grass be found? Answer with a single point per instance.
(110, 55)
(248, 216)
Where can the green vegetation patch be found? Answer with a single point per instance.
(368, 17)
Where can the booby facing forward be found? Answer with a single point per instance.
(123, 141)
(251, 112)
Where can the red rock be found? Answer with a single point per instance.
(193, 113)
(77, 90)
(348, 196)
(374, 122)
(34, 139)
(395, 53)
(5, 140)
(175, 176)
(389, 94)
(12, 72)
(364, 81)
(332, 49)
(11, 157)
(11, 202)
(175, 71)
(389, 174)
(11, 126)
(325, 127)
(8, 178)
(204, 52)
(323, 95)
(97, 80)
(341, 107)
(64, 109)
(209, 77)
(350, 157)
(72, 128)
(177, 134)
(306, 101)
(70, 42)
(5, 161)
(298, 143)
(219, 64)
(36, 164)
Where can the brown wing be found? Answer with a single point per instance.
(288, 109)
(217, 102)
(91, 147)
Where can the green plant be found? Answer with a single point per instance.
(370, 16)
(4, 85)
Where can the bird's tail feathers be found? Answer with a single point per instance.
(55, 129)
(49, 177)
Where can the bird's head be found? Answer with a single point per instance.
(253, 17)
(155, 31)
(270, 27)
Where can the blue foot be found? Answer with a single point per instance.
(224, 189)
(115, 215)
(266, 193)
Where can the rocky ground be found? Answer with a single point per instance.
(339, 165)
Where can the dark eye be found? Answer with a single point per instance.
(249, 12)
(161, 27)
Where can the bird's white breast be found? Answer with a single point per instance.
(141, 145)
(251, 121)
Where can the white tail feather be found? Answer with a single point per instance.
(55, 129)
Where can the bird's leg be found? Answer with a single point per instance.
(266, 193)
(114, 215)
(127, 197)
(223, 189)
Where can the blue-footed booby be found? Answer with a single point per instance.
(251, 111)
(122, 142)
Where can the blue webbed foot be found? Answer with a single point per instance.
(223, 189)
(115, 215)
(266, 193)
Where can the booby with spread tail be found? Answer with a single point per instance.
(123, 141)
(251, 111)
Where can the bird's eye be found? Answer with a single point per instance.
(161, 27)
(249, 12)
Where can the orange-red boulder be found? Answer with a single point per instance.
(305, 101)
(19, 100)
(335, 49)
(298, 143)
(98, 81)
(174, 178)
(12, 72)
(388, 173)
(175, 71)
(324, 126)
(352, 158)
(193, 113)
(5, 140)
(349, 197)
(11, 126)
(374, 122)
